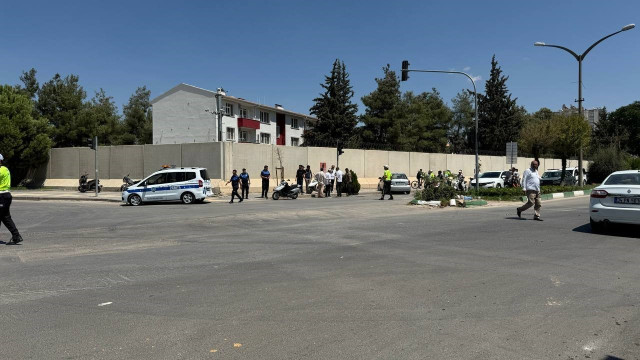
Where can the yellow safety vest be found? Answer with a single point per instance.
(387, 175)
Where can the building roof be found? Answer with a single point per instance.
(209, 93)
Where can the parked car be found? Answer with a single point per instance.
(617, 200)
(399, 183)
(188, 185)
(575, 173)
(491, 179)
(554, 177)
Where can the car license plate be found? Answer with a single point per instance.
(627, 200)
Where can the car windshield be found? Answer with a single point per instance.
(204, 174)
(623, 179)
(551, 174)
(398, 176)
(492, 174)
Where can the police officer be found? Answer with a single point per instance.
(265, 175)
(5, 203)
(244, 179)
(386, 178)
(235, 182)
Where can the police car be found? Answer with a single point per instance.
(188, 185)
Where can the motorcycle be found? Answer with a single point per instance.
(460, 185)
(313, 186)
(127, 182)
(285, 190)
(88, 185)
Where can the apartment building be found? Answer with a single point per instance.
(187, 114)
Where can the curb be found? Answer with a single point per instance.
(563, 195)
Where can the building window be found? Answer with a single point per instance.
(264, 117)
(265, 138)
(244, 136)
(243, 113)
(295, 141)
(228, 109)
(231, 133)
(294, 123)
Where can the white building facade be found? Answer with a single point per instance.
(187, 114)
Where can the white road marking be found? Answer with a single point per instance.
(107, 303)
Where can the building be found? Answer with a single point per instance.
(591, 115)
(187, 114)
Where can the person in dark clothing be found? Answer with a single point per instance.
(300, 175)
(307, 178)
(348, 187)
(235, 183)
(245, 181)
(5, 203)
(265, 175)
(419, 177)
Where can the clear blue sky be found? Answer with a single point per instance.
(279, 51)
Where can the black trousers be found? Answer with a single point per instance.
(234, 193)
(339, 188)
(265, 188)
(386, 190)
(5, 214)
(245, 191)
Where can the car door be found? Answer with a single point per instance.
(173, 188)
(153, 189)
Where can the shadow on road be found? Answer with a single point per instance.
(620, 230)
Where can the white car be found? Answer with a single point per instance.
(399, 183)
(491, 179)
(188, 185)
(617, 200)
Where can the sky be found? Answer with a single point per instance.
(280, 51)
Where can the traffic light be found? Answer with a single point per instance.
(91, 143)
(340, 150)
(405, 70)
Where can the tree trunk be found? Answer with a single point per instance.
(564, 167)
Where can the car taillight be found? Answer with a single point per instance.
(200, 183)
(599, 194)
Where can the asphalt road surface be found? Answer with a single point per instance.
(349, 278)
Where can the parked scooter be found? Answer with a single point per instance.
(459, 185)
(286, 191)
(313, 186)
(88, 185)
(127, 182)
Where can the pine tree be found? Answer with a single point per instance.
(138, 119)
(380, 104)
(499, 118)
(334, 110)
(60, 100)
(462, 131)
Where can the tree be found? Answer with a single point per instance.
(25, 140)
(537, 136)
(620, 128)
(31, 85)
(421, 122)
(334, 110)
(571, 133)
(499, 118)
(100, 118)
(138, 119)
(380, 104)
(462, 131)
(60, 101)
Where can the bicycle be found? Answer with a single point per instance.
(415, 185)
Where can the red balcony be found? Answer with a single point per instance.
(248, 123)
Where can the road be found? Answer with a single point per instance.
(350, 278)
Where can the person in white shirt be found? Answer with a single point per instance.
(329, 179)
(531, 185)
(339, 175)
(319, 177)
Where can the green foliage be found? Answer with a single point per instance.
(138, 120)
(378, 118)
(355, 184)
(100, 117)
(30, 83)
(605, 161)
(499, 118)
(335, 112)
(25, 141)
(633, 163)
(620, 128)
(537, 134)
(513, 194)
(462, 129)
(443, 192)
(60, 101)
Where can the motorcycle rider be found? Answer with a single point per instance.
(5, 203)
(460, 180)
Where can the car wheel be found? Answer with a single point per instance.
(596, 227)
(294, 196)
(498, 186)
(81, 189)
(135, 200)
(275, 195)
(187, 198)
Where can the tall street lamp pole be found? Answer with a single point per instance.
(579, 58)
(405, 77)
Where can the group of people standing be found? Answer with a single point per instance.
(333, 178)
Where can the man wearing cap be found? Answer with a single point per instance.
(244, 179)
(5, 203)
(386, 178)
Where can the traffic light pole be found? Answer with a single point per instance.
(95, 143)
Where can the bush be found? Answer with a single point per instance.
(605, 161)
(443, 192)
(355, 185)
(633, 163)
(516, 193)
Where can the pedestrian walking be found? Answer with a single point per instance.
(307, 178)
(300, 176)
(347, 182)
(338, 176)
(320, 179)
(386, 188)
(419, 177)
(5, 203)
(245, 182)
(265, 175)
(235, 183)
(531, 185)
(328, 181)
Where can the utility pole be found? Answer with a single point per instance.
(95, 145)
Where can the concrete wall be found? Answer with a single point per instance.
(208, 155)
(126, 159)
(352, 159)
(253, 157)
(157, 155)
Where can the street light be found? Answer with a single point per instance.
(579, 58)
(405, 77)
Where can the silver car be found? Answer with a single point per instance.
(399, 183)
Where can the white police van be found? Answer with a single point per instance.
(188, 185)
